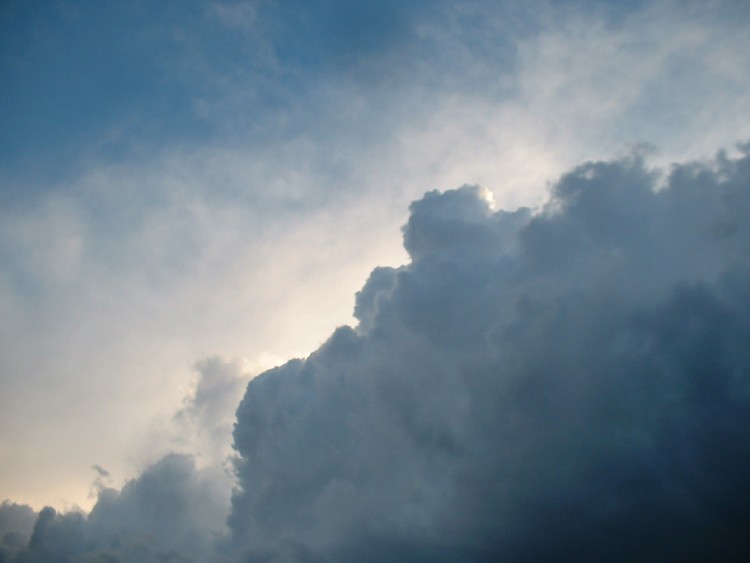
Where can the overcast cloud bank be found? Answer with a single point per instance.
(566, 384)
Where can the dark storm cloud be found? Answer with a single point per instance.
(571, 384)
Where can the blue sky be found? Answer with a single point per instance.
(181, 181)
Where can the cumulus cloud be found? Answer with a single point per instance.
(566, 383)
(16, 524)
(171, 512)
(570, 383)
(175, 510)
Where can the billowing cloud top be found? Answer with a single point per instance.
(566, 384)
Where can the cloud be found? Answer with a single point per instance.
(140, 232)
(240, 169)
(101, 287)
(570, 383)
(16, 525)
(174, 510)
(205, 421)
(171, 512)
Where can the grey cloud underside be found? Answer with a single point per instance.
(570, 384)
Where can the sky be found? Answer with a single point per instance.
(498, 238)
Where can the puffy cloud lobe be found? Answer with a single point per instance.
(171, 512)
(16, 525)
(566, 384)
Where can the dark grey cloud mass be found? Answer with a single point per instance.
(568, 384)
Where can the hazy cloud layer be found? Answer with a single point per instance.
(571, 384)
